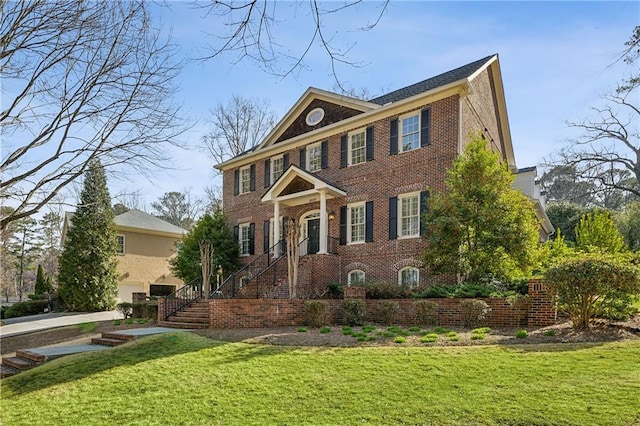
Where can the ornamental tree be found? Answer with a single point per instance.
(598, 231)
(87, 279)
(480, 227)
(225, 252)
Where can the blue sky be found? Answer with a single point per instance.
(557, 58)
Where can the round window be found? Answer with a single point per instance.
(315, 116)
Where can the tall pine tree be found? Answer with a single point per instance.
(87, 279)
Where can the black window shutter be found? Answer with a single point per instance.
(343, 225)
(236, 182)
(236, 233)
(393, 218)
(368, 224)
(303, 158)
(252, 238)
(267, 173)
(252, 178)
(424, 205)
(369, 142)
(425, 127)
(265, 238)
(285, 161)
(393, 136)
(344, 151)
(324, 154)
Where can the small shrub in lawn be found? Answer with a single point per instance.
(315, 312)
(371, 338)
(474, 311)
(347, 332)
(455, 338)
(441, 330)
(302, 330)
(368, 328)
(325, 330)
(394, 329)
(452, 334)
(389, 334)
(414, 329)
(117, 322)
(481, 330)
(550, 333)
(357, 335)
(354, 311)
(429, 338)
(425, 312)
(521, 334)
(400, 339)
(387, 311)
(477, 336)
(362, 338)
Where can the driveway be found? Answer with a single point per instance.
(32, 323)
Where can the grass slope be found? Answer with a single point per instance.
(189, 380)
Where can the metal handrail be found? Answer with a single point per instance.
(269, 276)
(181, 298)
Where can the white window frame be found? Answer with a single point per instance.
(350, 278)
(401, 217)
(242, 228)
(121, 246)
(361, 150)
(274, 174)
(409, 268)
(401, 134)
(350, 236)
(244, 280)
(245, 180)
(317, 163)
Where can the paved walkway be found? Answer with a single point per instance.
(30, 324)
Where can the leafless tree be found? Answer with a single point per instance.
(179, 208)
(213, 200)
(250, 32)
(237, 127)
(82, 80)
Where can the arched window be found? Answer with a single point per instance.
(355, 277)
(409, 277)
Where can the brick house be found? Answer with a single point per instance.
(353, 174)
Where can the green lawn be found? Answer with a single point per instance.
(189, 380)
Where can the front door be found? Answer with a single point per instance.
(313, 233)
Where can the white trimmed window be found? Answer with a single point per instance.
(314, 157)
(277, 168)
(357, 147)
(409, 132)
(355, 277)
(244, 280)
(409, 215)
(244, 238)
(120, 241)
(409, 277)
(245, 180)
(356, 223)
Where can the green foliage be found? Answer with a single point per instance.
(125, 308)
(144, 310)
(325, 330)
(441, 330)
(619, 306)
(335, 290)
(480, 226)
(315, 312)
(593, 280)
(400, 340)
(30, 307)
(522, 334)
(425, 312)
(186, 264)
(386, 290)
(302, 329)
(387, 311)
(565, 217)
(354, 311)
(471, 290)
(43, 284)
(87, 327)
(549, 333)
(474, 311)
(88, 279)
(598, 231)
(629, 224)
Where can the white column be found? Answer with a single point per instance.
(323, 223)
(276, 228)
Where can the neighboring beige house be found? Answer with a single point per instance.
(528, 183)
(145, 245)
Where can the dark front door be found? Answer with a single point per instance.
(313, 232)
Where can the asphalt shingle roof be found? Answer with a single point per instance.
(141, 220)
(431, 83)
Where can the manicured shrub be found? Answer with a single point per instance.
(474, 311)
(521, 334)
(30, 307)
(441, 330)
(425, 312)
(125, 308)
(386, 290)
(387, 311)
(582, 285)
(325, 330)
(400, 340)
(315, 312)
(481, 330)
(354, 311)
(429, 338)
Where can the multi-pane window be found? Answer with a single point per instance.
(356, 225)
(356, 277)
(410, 132)
(244, 238)
(245, 180)
(277, 168)
(409, 213)
(314, 157)
(357, 148)
(120, 242)
(409, 277)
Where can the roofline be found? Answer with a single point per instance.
(124, 228)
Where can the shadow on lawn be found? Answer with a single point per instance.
(78, 366)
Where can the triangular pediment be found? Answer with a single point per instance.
(331, 107)
(296, 185)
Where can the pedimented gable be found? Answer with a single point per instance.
(298, 184)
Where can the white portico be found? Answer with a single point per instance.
(296, 187)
